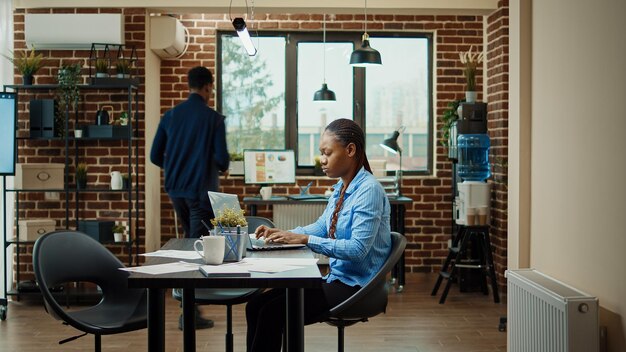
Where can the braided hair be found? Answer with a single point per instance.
(345, 132)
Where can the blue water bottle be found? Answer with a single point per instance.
(473, 151)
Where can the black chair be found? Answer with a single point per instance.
(227, 297)
(371, 299)
(71, 256)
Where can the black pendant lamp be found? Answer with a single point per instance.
(365, 55)
(324, 94)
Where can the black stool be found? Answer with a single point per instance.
(457, 252)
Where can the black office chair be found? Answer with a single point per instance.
(71, 256)
(371, 299)
(228, 297)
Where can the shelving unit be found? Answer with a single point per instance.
(72, 148)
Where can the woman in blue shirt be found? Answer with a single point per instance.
(353, 231)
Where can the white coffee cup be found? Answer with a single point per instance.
(212, 249)
(266, 193)
(78, 133)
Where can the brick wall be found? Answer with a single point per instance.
(102, 157)
(428, 219)
(498, 116)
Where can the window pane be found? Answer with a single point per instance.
(398, 94)
(313, 116)
(253, 93)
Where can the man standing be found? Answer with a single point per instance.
(190, 145)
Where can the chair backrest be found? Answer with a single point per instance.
(71, 256)
(371, 299)
(256, 221)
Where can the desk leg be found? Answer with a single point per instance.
(401, 271)
(189, 320)
(294, 329)
(253, 210)
(156, 320)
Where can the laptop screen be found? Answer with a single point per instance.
(221, 201)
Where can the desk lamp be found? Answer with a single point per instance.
(391, 145)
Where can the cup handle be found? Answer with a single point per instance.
(196, 248)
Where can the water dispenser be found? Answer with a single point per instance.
(473, 153)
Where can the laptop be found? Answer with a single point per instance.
(220, 201)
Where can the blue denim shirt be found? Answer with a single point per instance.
(363, 239)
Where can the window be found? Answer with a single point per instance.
(268, 99)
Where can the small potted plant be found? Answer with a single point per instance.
(81, 176)
(450, 115)
(125, 181)
(122, 67)
(102, 68)
(27, 64)
(227, 220)
(236, 164)
(470, 62)
(317, 170)
(118, 232)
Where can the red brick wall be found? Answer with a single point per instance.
(428, 219)
(498, 97)
(102, 157)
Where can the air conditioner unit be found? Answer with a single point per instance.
(167, 36)
(72, 31)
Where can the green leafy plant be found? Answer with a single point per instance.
(119, 229)
(27, 63)
(229, 217)
(236, 156)
(449, 116)
(470, 60)
(81, 175)
(122, 66)
(102, 66)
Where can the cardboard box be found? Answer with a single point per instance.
(101, 231)
(39, 176)
(31, 230)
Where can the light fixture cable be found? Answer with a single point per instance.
(324, 45)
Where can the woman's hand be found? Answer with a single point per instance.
(287, 237)
(264, 231)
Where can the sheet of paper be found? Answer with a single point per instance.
(178, 254)
(176, 267)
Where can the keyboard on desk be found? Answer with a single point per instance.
(306, 196)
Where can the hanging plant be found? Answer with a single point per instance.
(449, 116)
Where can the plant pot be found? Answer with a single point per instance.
(123, 75)
(81, 184)
(118, 237)
(27, 80)
(470, 96)
(101, 75)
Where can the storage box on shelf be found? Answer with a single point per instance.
(31, 230)
(101, 231)
(39, 176)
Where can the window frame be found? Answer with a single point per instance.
(359, 89)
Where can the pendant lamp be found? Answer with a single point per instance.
(324, 94)
(244, 35)
(365, 55)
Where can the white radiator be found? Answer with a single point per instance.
(288, 216)
(545, 315)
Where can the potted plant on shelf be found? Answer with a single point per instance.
(81, 176)
(27, 63)
(118, 232)
(470, 62)
(122, 67)
(102, 68)
(236, 164)
(317, 169)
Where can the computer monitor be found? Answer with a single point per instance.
(8, 119)
(267, 167)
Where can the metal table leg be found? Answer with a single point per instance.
(294, 328)
(156, 320)
(189, 320)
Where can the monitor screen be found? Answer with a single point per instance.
(8, 120)
(263, 166)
